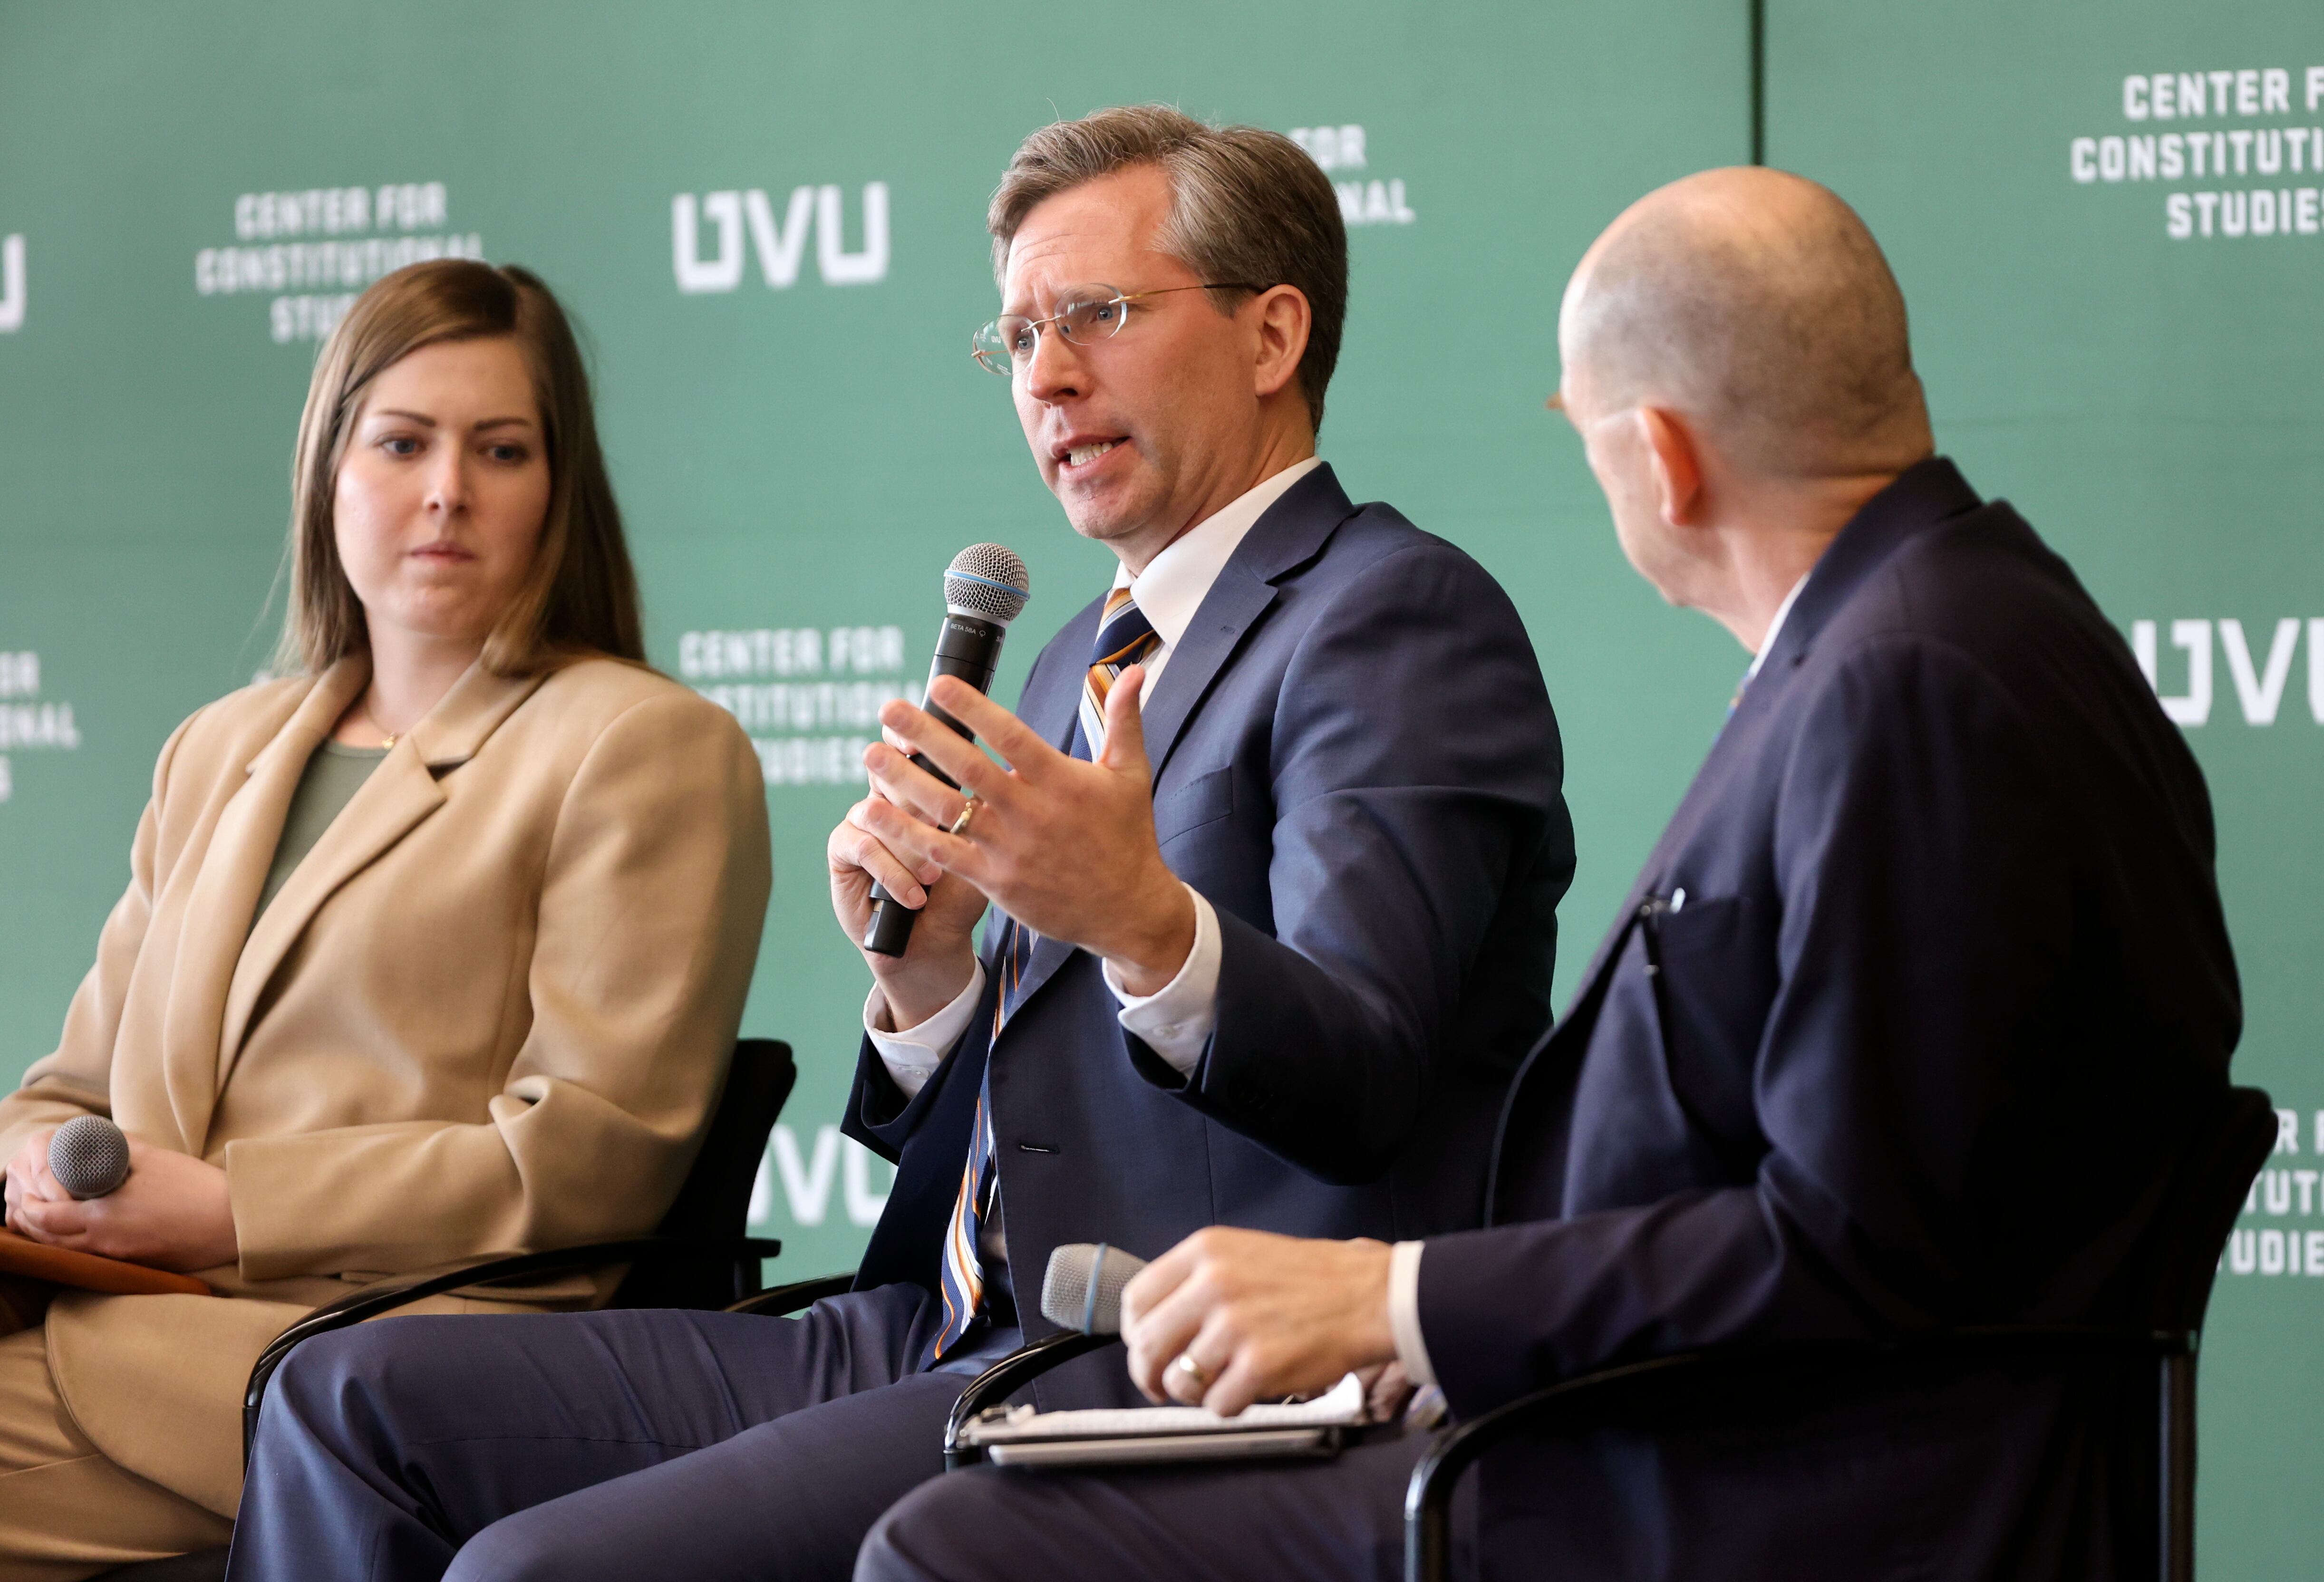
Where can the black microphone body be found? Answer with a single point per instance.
(969, 647)
(985, 588)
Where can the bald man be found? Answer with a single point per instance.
(1920, 992)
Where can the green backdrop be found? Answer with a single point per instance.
(770, 218)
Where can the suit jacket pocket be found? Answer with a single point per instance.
(1718, 981)
(1204, 799)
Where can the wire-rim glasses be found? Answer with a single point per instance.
(1085, 316)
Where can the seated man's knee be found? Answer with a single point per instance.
(941, 1529)
(347, 1374)
(519, 1550)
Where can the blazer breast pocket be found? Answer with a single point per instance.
(1202, 800)
(1717, 983)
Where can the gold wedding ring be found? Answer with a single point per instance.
(1195, 1371)
(959, 825)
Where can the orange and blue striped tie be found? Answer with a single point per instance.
(1125, 638)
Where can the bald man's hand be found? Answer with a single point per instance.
(1259, 1316)
(1066, 847)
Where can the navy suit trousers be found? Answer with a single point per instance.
(585, 1446)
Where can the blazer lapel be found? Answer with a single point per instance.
(1053, 694)
(1050, 705)
(402, 792)
(1235, 600)
(1291, 532)
(225, 893)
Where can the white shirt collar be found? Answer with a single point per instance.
(1768, 643)
(1175, 583)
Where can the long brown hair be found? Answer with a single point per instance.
(581, 594)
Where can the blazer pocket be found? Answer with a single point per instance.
(1718, 984)
(1202, 800)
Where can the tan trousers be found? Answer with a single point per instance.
(65, 1510)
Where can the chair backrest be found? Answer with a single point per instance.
(715, 1200)
(715, 1203)
(2207, 1192)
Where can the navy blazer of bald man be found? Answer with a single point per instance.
(1944, 990)
(1356, 763)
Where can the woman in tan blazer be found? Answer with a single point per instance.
(434, 951)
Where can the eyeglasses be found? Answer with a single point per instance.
(1085, 316)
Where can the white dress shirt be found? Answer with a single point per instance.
(1177, 1019)
(1404, 1260)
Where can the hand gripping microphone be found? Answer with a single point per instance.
(89, 1156)
(1083, 1289)
(985, 588)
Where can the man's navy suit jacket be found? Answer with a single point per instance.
(1355, 762)
(1948, 989)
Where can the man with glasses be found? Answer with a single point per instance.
(1272, 860)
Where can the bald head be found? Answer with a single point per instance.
(1756, 305)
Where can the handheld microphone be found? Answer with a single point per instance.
(89, 1156)
(985, 588)
(1083, 1289)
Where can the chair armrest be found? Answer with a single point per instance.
(385, 1296)
(1428, 1497)
(1004, 1378)
(797, 1295)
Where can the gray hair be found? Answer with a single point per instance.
(1246, 204)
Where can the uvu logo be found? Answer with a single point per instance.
(12, 284)
(2260, 682)
(780, 247)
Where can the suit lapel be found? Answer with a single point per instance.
(1053, 692)
(1236, 601)
(401, 794)
(225, 894)
(1051, 702)
(1288, 535)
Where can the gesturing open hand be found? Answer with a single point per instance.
(1066, 847)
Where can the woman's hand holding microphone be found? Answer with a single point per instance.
(172, 1212)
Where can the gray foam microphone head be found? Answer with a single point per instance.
(989, 581)
(1083, 1289)
(89, 1156)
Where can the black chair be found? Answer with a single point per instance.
(698, 1259)
(2166, 1325)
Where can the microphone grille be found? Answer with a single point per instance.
(89, 1156)
(987, 580)
(1083, 1285)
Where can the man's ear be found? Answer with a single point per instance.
(1284, 319)
(1677, 466)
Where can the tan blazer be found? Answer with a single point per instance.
(490, 1012)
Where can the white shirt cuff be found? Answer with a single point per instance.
(913, 1055)
(1176, 1020)
(1403, 1311)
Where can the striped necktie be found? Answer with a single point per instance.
(1124, 638)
